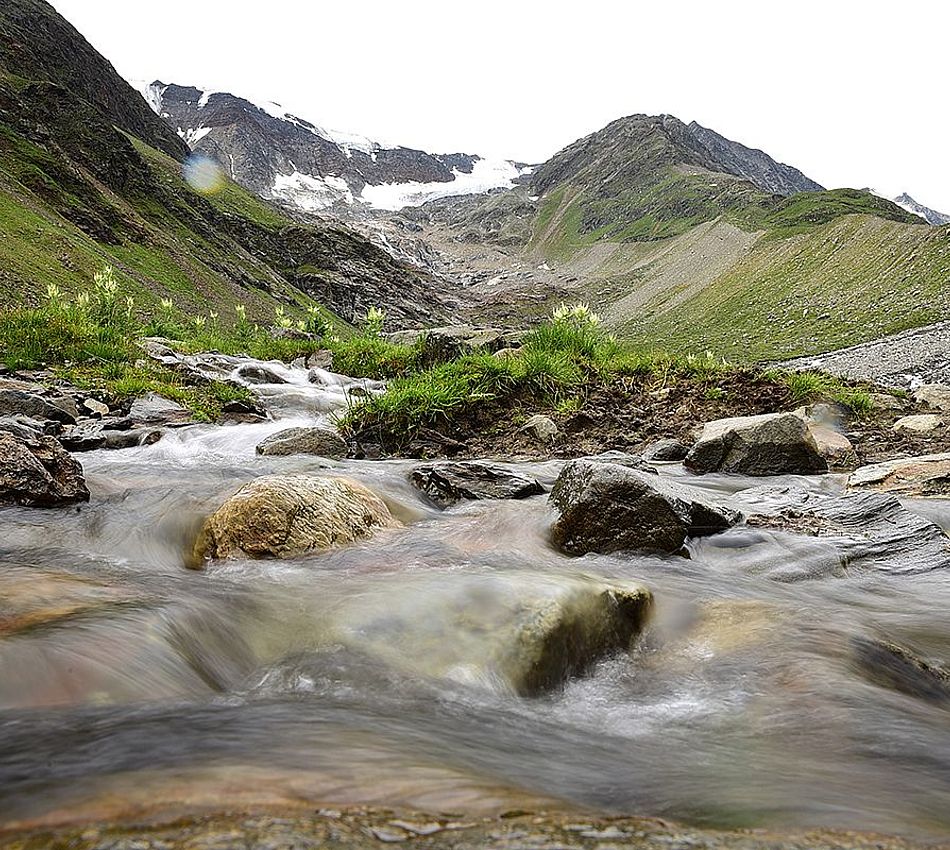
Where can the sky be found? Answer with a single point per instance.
(853, 93)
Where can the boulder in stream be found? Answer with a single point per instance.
(282, 516)
(606, 508)
(318, 440)
(449, 482)
(38, 472)
(924, 476)
(14, 402)
(890, 665)
(769, 444)
(519, 631)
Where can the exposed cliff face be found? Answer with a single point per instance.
(38, 44)
(754, 165)
(284, 157)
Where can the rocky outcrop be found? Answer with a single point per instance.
(770, 444)
(926, 476)
(440, 345)
(449, 482)
(324, 442)
(608, 508)
(523, 632)
(20, 402)
(282, 516)
(38, 472)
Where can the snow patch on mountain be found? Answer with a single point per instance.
(311, 193)
(485, 176)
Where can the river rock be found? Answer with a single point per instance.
(865, 530)
(325, 442)
(924, 476)
(282, 516)
(256, 373)
(769, 444)
(38, 472)
(115, 439)
(541, 427)
(154, 409)
(936, 396)
(522, 631)
(19, 402)
(898, 668)
(608, 508)
(95, 407)
(921, 423)
(832, 444)
(24, 427)
(449, 482)
(665, 450)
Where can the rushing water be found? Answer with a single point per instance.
(170, 686)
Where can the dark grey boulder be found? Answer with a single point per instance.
(131, 438)
(665, 450)
(19, 402)
(770, 444)
(154, 409)
(324, 442)
(38, 472)
(606, 508)
(448, 482)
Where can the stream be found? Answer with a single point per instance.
(170, 687)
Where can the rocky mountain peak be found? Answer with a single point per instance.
(929, 215)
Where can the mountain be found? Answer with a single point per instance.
(754, 165)
(283, 157)
(90, 176)
(926, 213)
(667, 236)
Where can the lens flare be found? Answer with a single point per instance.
(203, 174)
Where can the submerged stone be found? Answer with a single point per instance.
(324, 442)
(524, 632)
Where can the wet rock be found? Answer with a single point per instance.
(283, 516)
(81, 440)
(38, 472)
(541, 427)
(665, 450)
(623, 459)
(608, 508)
(450, 482)
(322, 359)
(243, 410)
(324, 442)
(31, 597)
(869, 530)
(19, 402)
(114, 439)
(22, 426)
(253, 373)
(155, 409)
(769, 444)
(892, 666)
(924, 476)
(921, 423)
(936, 396)
(522, 631)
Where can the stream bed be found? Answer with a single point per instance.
(147, 685)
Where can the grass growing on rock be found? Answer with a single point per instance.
(559, 365)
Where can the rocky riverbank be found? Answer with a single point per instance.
(335, 829)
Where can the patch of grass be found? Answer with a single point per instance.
(809, 387)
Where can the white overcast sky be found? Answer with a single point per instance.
(853, 93)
